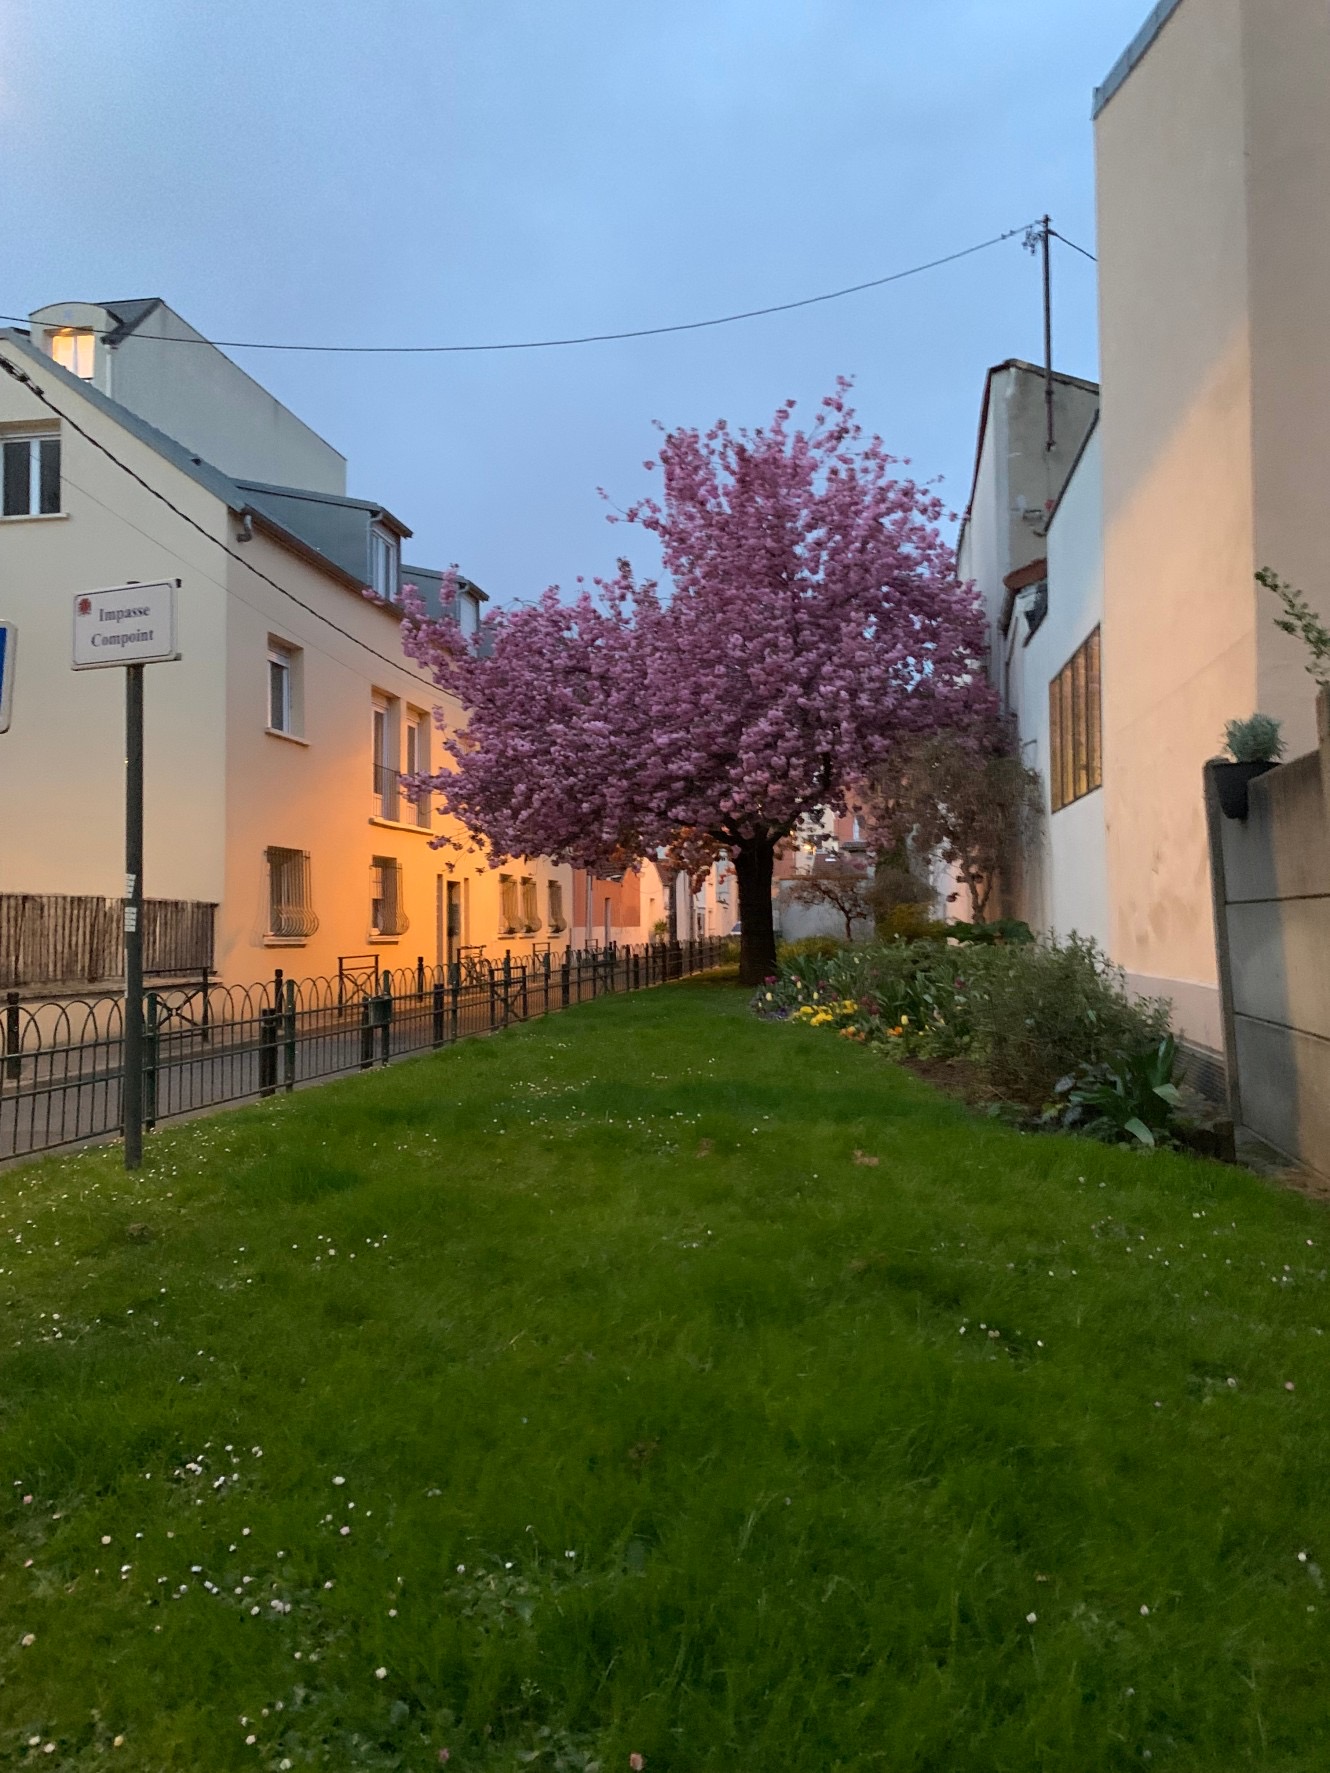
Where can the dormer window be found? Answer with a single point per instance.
(468, 613)
(385, 564)
(72, 348)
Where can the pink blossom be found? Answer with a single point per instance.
(813, 621)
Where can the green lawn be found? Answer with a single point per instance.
(582, 1393)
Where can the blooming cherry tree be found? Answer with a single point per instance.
(813, 620)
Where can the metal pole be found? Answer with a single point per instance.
(1046, 229)
(132, 1052)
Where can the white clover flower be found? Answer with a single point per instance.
(380, 1674)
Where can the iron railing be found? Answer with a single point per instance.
(207, 1044)
(67, 939)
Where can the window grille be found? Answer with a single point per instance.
(387, 909)
(509, 912)
(290, 910)
(1074, 727)
(557, 922)
(530, 906)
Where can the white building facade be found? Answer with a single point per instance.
(278, 828)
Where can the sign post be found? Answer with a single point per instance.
(130, 626)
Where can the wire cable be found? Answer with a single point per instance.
(21, 375)
(1072, 244)
(593, 338)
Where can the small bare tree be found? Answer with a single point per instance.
(836, 882)
(965, 796)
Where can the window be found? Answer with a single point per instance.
(385, 741)
(72, 349)
(556, 920)
(31, 476)
(1074, 743)
(290, 911)
(530, 905)
(468, 613)
(283, 663)
(387, 910)
(417, 757)
(385, 564)
(509, 913)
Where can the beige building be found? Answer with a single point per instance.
(1212, 139)
(276, 745)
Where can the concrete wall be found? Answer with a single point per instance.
(198, 396)
(1271, 883)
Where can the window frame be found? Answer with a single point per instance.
(417, 758)
(1075, 726)
(282, 659)
(555, 920)
(510, 906)
(385, 548)
(387, 899)
(80, 336)
(42, 446)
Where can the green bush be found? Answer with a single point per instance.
(809, 947)
(1026, 1013)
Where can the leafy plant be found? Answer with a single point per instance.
(1254, 740)
(1131, 1097)
(1301, 621)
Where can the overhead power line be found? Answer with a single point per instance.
(593, 338)
(1072, 244)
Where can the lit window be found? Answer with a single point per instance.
(1076, 765)
(385, 564)
(31, 476)
(281, 687)
(387, 912)
(290, 911)
(73, 349)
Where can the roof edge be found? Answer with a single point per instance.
(1132, 55)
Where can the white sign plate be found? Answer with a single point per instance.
(128, 625)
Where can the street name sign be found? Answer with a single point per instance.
(127, 625)
(8, 643)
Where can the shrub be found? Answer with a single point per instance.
(1026, 1013)
(810, 947)
(1254, 740)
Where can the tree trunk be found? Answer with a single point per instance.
(754, 860)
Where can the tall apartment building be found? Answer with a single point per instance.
(279, 831)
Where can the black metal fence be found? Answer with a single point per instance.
(205, 1044)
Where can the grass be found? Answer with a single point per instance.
(580, 1393)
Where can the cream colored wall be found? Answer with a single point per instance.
(62, 782)
(1286, 47)
(318, 795)
(1179, 641)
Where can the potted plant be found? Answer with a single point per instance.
(1254, 746)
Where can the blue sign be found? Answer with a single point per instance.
(8, 643)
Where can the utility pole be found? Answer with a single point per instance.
(1039, 239)
(132, 1085)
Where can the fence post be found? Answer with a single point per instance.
(566, 978)
(455, 992)
(436, 1015)
(268, 1022)
(386, 1019)
(507, 986)
(366, 1033)
(526, 1007)
(341, 984)
(205, 1019)
(150, 1042)
(14, 1061)
(290, 1033)
(420, 975)
(490, 965)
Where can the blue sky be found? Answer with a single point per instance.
(458, 170)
